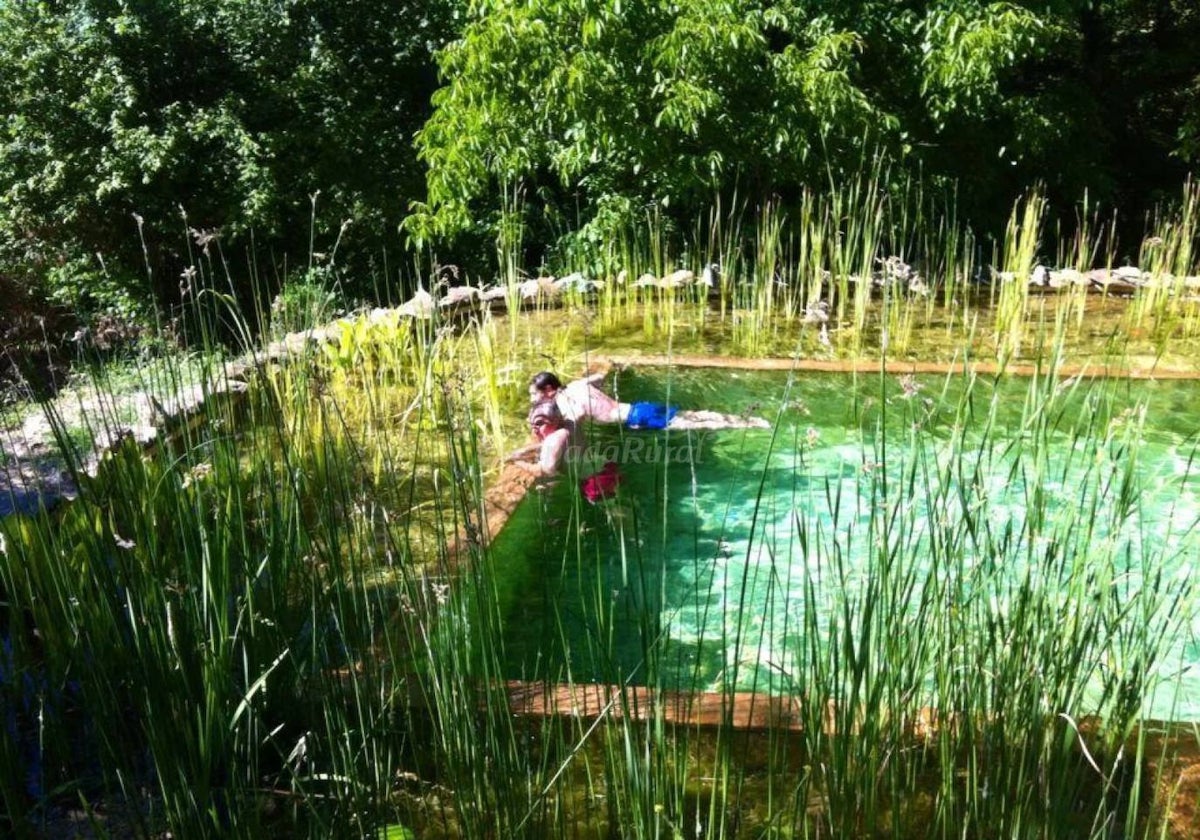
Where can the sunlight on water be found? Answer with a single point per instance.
(728, 551)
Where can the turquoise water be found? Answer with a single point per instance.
(922, 519)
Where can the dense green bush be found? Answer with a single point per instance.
(162, 117)
(132, 131)
(591, 106)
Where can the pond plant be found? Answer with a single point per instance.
(285, 617)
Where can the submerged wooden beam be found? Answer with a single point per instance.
(741, 710)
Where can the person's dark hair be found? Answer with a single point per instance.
(547, 409)
(546, 379)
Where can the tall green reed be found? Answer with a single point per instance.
(1168, 257)
(981, 668)
(1022, 240)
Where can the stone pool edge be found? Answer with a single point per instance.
(890, 366)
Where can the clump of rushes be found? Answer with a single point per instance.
(1011, 285)
(770, 281)
(510, 236)
(225, 626)
(1093, 242)
(287, 619)
(1166, 300)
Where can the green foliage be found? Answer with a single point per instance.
(966, 50)
(234, 112)
(306, 300)
(238, 113)
(82, 284)
(1189, 132)
(592, 106)
(654, 102)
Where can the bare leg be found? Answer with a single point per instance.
(702, 419)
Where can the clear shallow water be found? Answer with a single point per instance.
(731, 559)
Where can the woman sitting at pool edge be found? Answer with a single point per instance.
(582, 399)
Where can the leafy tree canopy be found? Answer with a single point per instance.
(234, 112)
(237, 111)
(612, 104)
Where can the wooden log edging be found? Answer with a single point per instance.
(1170, 752)
(897, 367)
(742, 710)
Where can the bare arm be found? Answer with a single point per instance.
(524, 452)
(552, 449)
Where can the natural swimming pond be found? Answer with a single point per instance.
(1011, 540)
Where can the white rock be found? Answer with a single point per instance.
(459, 294)
(676, 279)
(420, 305)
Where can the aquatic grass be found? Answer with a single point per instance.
(1092, 242)
(823, 263)
(510, 235)
(955, 270)
(811, 269)
(1009, 751)
(1020, 716)
(308, 601)
(1022, 239)
(721, 244)
(817, 259)
(496, 374)
(1168, 256)
(755, 302)
(850, 266)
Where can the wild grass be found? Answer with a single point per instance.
(815, 275)
(287, 619)
(967, 659)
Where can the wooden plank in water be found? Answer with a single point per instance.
(743, 710)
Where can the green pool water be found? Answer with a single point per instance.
(927, 513)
